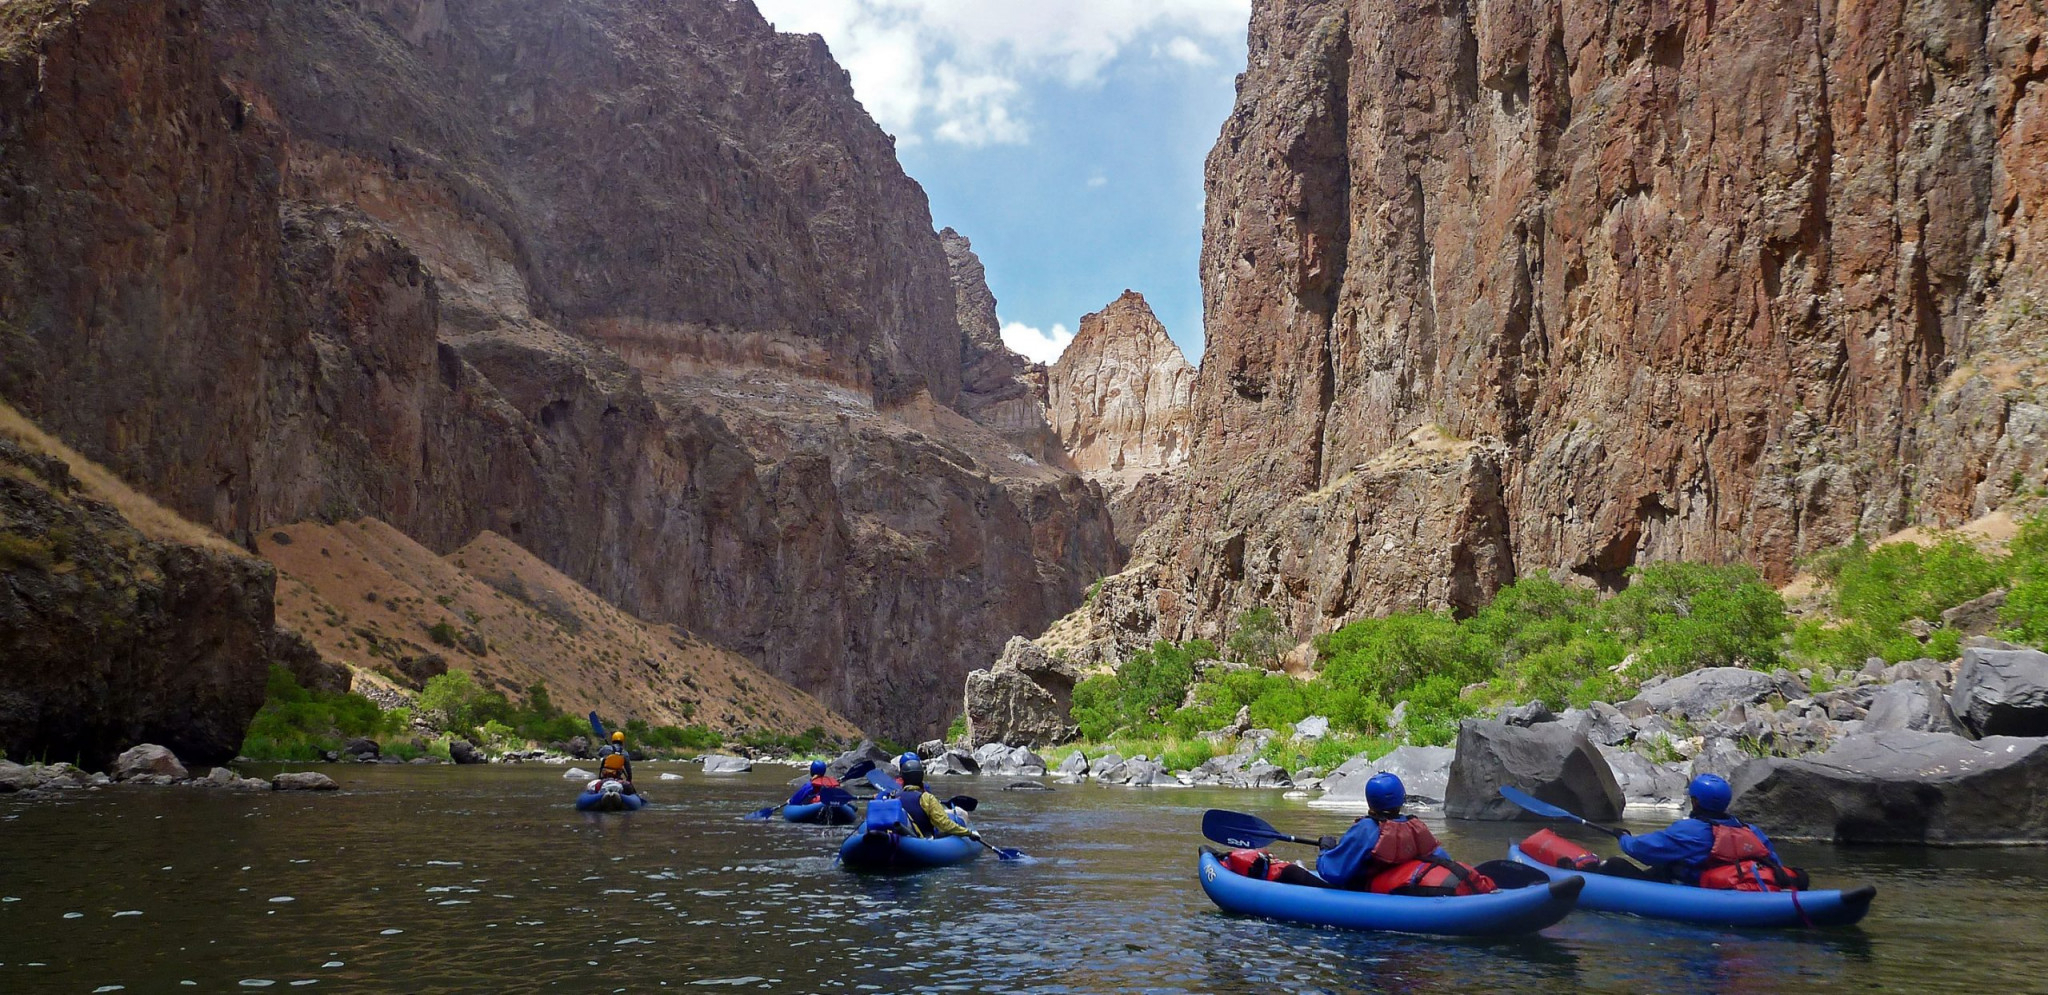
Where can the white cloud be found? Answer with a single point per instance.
(1098, 180)
(1037, 345)
(958, 71)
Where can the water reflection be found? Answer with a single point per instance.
(487, 880)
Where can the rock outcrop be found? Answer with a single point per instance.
(1025, 698)
(1687, 281)
(640, 288)
(1000, 390)
(119, 625)
(1549, 761)
(2002, 692)
(1120, 398)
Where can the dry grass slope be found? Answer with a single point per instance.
(149, 518)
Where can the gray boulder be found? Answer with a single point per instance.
(1027, 786)
(464, 752)
(1111, 769)
(579, 747)
(952, 763)
(2002, 692)
(1142, 773)
(1075, 765)
(1718, 755)
(305, 780)
(1644, 781)
(577, 774)
(1903, 787)
(148, 759)
(1424, 770)
(1549, 761)
(1918, 670)
(931, 748)
(14, 777)
(1600, 722)
(718, 763)
(1313, 728)
(1526, 715)
(1258, 774)
(1914, 705)
(1703, 693)
(361, 749)
(1976, 617)
(867, 750)
(1025, 697)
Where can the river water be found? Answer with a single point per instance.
(418, 879)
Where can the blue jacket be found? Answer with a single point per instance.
(1684, 847)
(1348, 864)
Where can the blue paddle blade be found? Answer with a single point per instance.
(834, 796)
(596, 727)
(1236, 829)
(859, 769)
(883, 782)
(1536, 805)
(762, 814)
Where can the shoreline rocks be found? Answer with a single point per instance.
(1902, 786)
(1549, 761)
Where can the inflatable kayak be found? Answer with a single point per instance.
(1502, 913)
(820, 813)
(1708, 906)
(611, 797)
(881, 850)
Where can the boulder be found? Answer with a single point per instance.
(1914, 705)
(1110, 769)
(1260, 775)
(1142, 773)
(579, 747)
(147, 759)
(1977, 616)
(669, 775)
(577, 774)
(1075, 765)
(867, 750)
(1644, 781)
(952, 763)
(718, 763)
(931, 748)
(1704, 693)
(1526, 715)
(1549, 761)
(1027, 786)
(1918, 670)
(1424, 770)
(1025, 697)
(305, 780)
(1601, 722)
(2002, 692)
(1313, 728)
(1718, 755)
(1255, 740)
(361, 749)
(14, 777)
(249, 784)
(1902, 786)
(462, 751)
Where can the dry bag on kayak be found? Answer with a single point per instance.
(1556, 851)
(885, 815)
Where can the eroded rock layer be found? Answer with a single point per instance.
(640, 288)
(1120, 397)
(1501, 287)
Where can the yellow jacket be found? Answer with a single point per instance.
(942, 821)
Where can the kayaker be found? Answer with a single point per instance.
(1394, 854)
(926, 815)
(613, 763)
(1711, 848)
(812, 789)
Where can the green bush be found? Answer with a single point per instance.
(297, 723)
(1142, 695)
(442, 633)
(1875, 591)
(2026, 604)
(1257, 637)
(461, 703)
(1681, 617)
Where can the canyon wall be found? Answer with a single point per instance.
(1120, 398)
(1501, 287)
(642, 289)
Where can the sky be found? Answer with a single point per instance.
(1064, 138)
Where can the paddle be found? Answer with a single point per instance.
(1236, 829)
(859, 769)
(596, 727)
(963, 803)
(883, 783)
(1548, 810)
(829, 796)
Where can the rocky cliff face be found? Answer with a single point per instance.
(640, 288)
(1503, 287)
(1120, 399)
(999, 389)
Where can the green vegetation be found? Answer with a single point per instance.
(296, 723)
(1258, 638)
(1876, 592)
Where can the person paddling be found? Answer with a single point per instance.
(926, 815)
(613, 764)
(1394, 854)
(1710, 848)
(813, 790)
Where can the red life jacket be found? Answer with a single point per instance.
(1255, 864)
(1404, 860)
(1552, 850)
(1740, 861)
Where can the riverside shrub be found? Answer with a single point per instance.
(298, 723)
(1876, 591)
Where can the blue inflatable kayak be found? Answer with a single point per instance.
(1711, 907)
(609, 801)
(1502, 913)
(820, 813)
(880, 850)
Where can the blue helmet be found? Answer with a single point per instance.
(1710, 792)
(909, 758)
(911, 768)
(817, 768)
(1385, 793)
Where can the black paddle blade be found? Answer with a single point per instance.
(1238, 830)
(858, 770)
(962, 802)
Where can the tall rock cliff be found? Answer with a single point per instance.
(1120, 398)
(1500, 287)
(641, 288)
(999, 389)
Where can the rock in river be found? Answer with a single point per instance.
(2002, 692)
(1903, 787)
(1550, 761)
(146, 759)
(462, 751)
(721, 764)
(305, 780)
(1424, 770)
(1914, 705)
